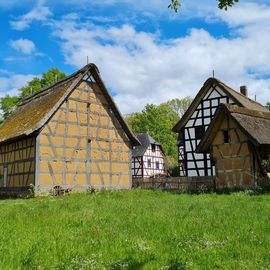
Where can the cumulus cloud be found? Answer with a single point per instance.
(246, 14)
(140, 67)
(10, 82)
(39, 13)
(22, 45)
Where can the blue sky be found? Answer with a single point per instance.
(145, 52)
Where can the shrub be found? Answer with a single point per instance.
(91, 189)
(263, 185)
(266, 164)
(172, 166)
(31, 191)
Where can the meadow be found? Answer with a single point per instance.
(136, 229)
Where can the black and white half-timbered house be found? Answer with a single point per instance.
(148, 159)
(192, 126)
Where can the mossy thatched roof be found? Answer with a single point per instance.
(237, 97)
(255, 125)
(34, 111)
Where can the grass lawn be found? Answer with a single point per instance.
(136, 229)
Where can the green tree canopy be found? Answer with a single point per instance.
(9, 103)
(268, 105)
(222, 4)
(180, 105)
(158, 121)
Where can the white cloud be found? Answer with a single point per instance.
(142, 68)
(39, 13)
(10, 82)
(246, 14)
(25, 46)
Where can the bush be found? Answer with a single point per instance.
(266, 164)
(263, 185)
(172, 166)
(31, 191)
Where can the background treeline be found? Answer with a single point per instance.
(9, 103)
(158, 121)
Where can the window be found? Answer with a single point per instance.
(153, 147)
(157, 165)
(149, 163)
(181, 138)
(226, 138)
(199, 132)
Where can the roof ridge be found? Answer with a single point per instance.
(56, 84)
(147, 135)
(37, 109)
(43, 92)
(237, 92)
(250, 112)
(239, 98)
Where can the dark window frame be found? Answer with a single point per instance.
(226, 137)
(199, 132)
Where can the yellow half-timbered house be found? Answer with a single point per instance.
(70, 134)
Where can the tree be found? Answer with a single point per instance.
(48, 78)
(9, 103)
(158, 122)
(180, 105)
(268, 105)
(52, 76)
(222, 4)
(31, 88)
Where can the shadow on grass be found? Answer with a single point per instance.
(95, 263)
(127, 264)
(132, 264)
(12, 196)
(224, 191)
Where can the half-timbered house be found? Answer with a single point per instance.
(70, 134)
(192, 126)
(148, 159)
(237, 140)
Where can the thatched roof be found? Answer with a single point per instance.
(237, 97)
(34, 111)
(146, 140)
(254, 124)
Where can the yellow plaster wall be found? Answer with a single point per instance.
(233, 160)
(63, 147)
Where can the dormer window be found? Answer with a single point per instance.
(153, 146)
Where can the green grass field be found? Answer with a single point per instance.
(136, 230)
